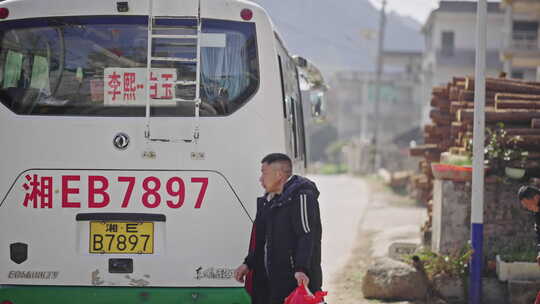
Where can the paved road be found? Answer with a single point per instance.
(348, 207)
(343, 201)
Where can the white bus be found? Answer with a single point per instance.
(131, 135)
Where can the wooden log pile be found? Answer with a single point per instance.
(437, 138)
(516, 104)
(512, 102)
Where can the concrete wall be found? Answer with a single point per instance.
(464, 27)
(451, 220)
(505, 221)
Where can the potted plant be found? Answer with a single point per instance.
(448, 274)
(515, 159)
(503, 153)
(517, 261)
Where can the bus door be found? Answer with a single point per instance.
(292, 110)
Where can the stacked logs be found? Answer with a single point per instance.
(512, 102)
(515, 103)
(437, 138)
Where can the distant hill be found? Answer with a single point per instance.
(329, 32)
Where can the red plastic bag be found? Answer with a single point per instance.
(302, 295)
(537, 301)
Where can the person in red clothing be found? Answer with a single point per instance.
(286, 252)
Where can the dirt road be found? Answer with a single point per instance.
(361, 218)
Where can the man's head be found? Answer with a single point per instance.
(529, 197)
(276, 168)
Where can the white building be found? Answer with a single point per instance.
(450, 36)
(521, 49)
(353, 96)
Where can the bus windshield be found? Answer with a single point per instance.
(96, 66)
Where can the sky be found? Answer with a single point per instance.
(417, 9)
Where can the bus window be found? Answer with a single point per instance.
(301, 129)
(302, 132)
(299, 116)
(96, 66)
(294, 126)
(286, 103)
(229, 74)
(281, 78)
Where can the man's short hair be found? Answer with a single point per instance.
(283, 159)
(527, 192)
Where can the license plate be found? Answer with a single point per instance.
(122, 237)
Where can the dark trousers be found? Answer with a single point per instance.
(261, 293)
(261, 298)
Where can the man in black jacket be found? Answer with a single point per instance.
(529, 197)
(286, 237)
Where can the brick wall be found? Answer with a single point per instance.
(506, 223)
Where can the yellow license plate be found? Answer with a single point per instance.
(122, 237)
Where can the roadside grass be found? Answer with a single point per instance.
(330, 169)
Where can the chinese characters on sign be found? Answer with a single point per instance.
(38, 190)
(111, 228)
(214, 273)
(126, 86)
(96, 191)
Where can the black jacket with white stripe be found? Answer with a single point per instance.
(292, 229)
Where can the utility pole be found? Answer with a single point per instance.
(380, 49)
(369, 35)
(477, 199)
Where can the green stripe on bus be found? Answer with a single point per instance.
(116, 295)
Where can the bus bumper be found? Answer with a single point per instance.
(114, 295)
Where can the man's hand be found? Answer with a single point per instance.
(301, 278)
(538, 260)
(241, 272)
